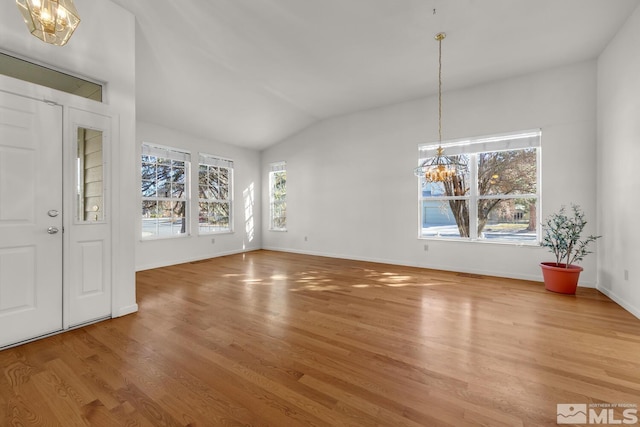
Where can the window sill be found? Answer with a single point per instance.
(532, 244)
(212, 233)
(155, 239)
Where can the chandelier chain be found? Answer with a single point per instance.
(440, 90)
(439, 168)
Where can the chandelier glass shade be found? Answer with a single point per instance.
(439, 168)
(52, 21)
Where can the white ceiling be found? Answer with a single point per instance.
(252, 72)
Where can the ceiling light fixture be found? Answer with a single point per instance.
(52, 21)
(439, 168)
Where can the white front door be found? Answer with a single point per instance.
(30, 218)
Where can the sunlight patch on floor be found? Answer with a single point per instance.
(252, 280)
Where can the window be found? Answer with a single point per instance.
(493, 198)
(215, 195)
(89, 175)
(278, 196)
(44, 76)
(164, 192)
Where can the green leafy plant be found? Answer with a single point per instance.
(562, 235)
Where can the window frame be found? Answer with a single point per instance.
(173, 154)
(473, 147)
(275, 168)
(213, 161)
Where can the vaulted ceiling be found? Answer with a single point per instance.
(252, 72)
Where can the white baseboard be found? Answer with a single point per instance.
(621, 302)
(123, 311)
(191, 259)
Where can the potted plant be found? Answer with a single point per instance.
(562, 235)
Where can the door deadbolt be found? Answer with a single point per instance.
(53, 213)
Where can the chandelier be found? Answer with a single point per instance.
(52, 21)
(439, 168)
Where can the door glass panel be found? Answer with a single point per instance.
(90, 176)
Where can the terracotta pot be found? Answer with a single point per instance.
(559, 278)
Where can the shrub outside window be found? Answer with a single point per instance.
(215, 195)
(164, 192)
(494, 197)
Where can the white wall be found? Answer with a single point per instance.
(618, 154)
(351, 191)
(98, 52)
(246, 188)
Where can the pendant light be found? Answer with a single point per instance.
(439, 168)
(52, 21)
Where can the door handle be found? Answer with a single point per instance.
(52, 230)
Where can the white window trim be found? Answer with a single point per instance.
(473, 146)
(221, 162)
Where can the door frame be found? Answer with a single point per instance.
(68, 101)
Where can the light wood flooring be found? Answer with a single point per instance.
(276, 339)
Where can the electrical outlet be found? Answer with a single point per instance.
(626, 275)
(305, 238)
(213, 240)
(426, 248)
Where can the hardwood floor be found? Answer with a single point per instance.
(276, 339)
